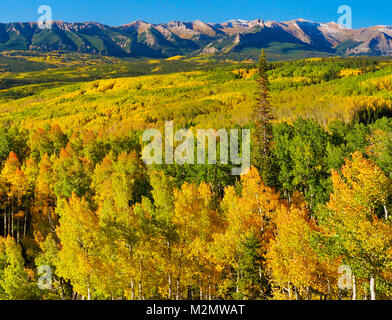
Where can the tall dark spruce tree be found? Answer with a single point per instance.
(263, 157)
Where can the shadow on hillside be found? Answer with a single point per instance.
(368, 115)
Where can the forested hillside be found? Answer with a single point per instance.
(77, 198)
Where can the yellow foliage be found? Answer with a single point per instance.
(383, 83)
(350, 72)
(244, 73)
(175, 58)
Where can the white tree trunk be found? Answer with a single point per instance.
(308, 294)
(177, 289)
(372, 288)
(354, 289)
(170, 286)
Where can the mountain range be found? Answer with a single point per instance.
(242, 38)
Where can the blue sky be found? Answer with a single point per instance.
(117, 12)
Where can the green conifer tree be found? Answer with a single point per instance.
(262, 114)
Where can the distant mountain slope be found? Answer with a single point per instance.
(236, 37)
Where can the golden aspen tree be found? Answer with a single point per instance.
(78, 258)
(4, 188)
(146, 256)
(118, 184)
(72, 174)
(296, 268)
(18, 187)
(31, 170)
(45, 217)
(196, 222)
(163, 195)
(48, 257)
(248, 218)
(358, 205)
(14, 281)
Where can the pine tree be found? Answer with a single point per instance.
(262, 114)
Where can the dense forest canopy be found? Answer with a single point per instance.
(78, 203)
